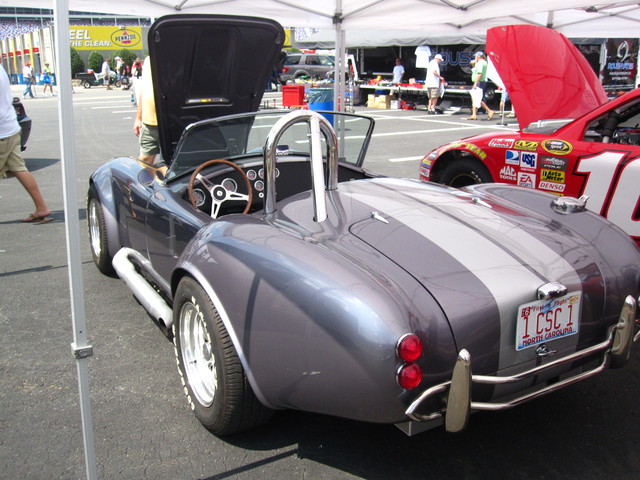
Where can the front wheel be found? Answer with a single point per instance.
(98, 234)
(214, 380)
(463, 172)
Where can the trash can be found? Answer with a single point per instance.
(321, 99)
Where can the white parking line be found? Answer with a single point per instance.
(405, 159)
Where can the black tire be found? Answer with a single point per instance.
(86, 84)
(214, 380)
(464, 171)
(98, 234)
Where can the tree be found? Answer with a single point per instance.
(95, 61)
(77, 65)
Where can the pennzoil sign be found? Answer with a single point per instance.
(105, 38)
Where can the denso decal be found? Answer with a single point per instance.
(508, 173)
(501, 142)
(557, 147)
(552, 187)
(528, 160)
(554, 163)
(526, 145)
(526, 179)
(552, 176)
(512, 157)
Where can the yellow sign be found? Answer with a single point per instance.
(105, 38)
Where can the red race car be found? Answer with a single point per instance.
(591, 147)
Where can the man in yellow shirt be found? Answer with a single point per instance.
(146, 124)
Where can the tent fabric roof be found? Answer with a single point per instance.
(571, 17)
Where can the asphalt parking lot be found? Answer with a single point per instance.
(142, 425)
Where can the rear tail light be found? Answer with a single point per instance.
(409, 376)
(408, 350)
(285, 69)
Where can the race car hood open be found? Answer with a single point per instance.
(546, 76)
(207, 66)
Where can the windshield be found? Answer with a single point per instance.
(239, 136)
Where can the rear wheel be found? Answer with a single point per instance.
(214, 380)
(98, 234)
(462, 172)
(86, 84)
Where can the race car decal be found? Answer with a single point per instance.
(528, 160)
(512, 157)
(557, 147)
(526, 145)
(508, 173)
(552, 176)
(611, 182)
(526, 179)
(557, 188)
(476, 150)
(554, 163)
(501, 142)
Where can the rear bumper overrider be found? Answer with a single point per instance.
(456, 393)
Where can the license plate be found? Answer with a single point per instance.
(546, 320)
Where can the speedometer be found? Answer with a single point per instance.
(230, 185)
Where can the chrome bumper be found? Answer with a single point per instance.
(459, 404)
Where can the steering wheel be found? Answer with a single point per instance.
(218, 193)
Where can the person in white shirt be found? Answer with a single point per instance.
(398, 71)
(432, 83)
(11, 161)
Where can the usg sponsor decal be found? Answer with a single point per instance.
(555, 176)
(557, 147)
(501, 142)
(526, 179)
(512, 157)
(526, 145)
(508, 173)
(552, 187)
(554, 163)
(528, 160)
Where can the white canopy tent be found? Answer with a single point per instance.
(435, 16)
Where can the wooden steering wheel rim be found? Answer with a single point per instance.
(225, 162)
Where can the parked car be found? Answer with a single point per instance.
(290, 277)
(590, 146)
(306, 65)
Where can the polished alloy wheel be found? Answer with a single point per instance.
(198, 358)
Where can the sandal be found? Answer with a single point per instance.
(490, 115)
(472, 118)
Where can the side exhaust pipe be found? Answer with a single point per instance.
(150, 299)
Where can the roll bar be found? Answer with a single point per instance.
(317, 125)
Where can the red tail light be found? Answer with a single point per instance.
(409, 348)
(285, 69)
(409, 376)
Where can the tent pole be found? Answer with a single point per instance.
(80, 348)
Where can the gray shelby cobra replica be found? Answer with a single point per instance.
(292, 278)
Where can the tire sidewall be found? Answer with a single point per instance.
(103, 259)
(190, 292)
(465, 168)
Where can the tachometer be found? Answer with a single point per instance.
(229, 184)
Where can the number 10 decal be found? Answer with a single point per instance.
(613, 187)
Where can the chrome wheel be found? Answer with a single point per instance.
(197, 355)
(95, 238)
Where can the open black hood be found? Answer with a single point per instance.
(206, 66)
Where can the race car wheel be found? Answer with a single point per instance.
(212, 375)
(98, 234)
(462, 172)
